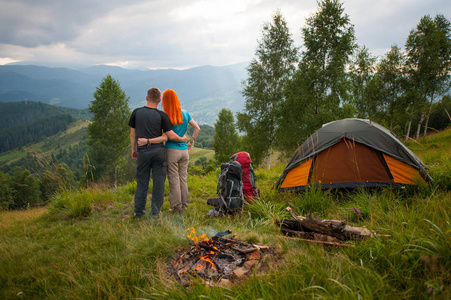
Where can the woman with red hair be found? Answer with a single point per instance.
(177, 152)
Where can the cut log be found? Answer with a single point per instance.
(234, 241)
(260, 247)
(322, 242)
(289, 224)
(359, 232)
(297, 218)
(245, 251)
(328, 227)
(250, 264)
(309, 235)
(335, 228)
(253, 255)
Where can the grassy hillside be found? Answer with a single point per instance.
(196, 153)
(87, 245)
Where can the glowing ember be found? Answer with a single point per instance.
(208, 260)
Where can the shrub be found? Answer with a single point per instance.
(6, 192)
(80, 204)
(26, 189)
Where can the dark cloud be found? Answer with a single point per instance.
(180, 33)
(31, 23)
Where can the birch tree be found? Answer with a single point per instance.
(428, 48)
(268, 73)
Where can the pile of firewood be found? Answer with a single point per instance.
(218, 260)
(323, 231)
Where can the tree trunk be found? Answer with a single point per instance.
(409, 126)
(268, 162)
(423, 113)
(317, 106)
(115, 175)
(427, 116)
(390, 109)
(417, 135)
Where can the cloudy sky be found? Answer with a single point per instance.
(181, 33)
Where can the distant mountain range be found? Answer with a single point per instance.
(203, 91)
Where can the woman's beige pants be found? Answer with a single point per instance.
(177, 175)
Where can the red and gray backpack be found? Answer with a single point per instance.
(250, 189)
(230, 198)
(236, 183)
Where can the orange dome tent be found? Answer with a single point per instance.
(352, 153)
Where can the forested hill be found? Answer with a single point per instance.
(33, 132)
(16, 114)
(23, 123)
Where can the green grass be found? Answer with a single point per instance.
(12, 155)
(435, 151)
(197, 153)
(87, 245)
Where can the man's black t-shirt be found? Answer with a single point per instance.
(149, 123)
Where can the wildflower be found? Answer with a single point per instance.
(357, 211)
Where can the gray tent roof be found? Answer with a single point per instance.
(362, 131)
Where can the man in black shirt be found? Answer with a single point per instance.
(154, 125)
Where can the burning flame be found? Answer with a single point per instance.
(193, 236)
(203, 239)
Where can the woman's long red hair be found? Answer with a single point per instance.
(171, 106)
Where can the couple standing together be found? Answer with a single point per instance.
(159, 146)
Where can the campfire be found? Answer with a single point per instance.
(217, 260)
